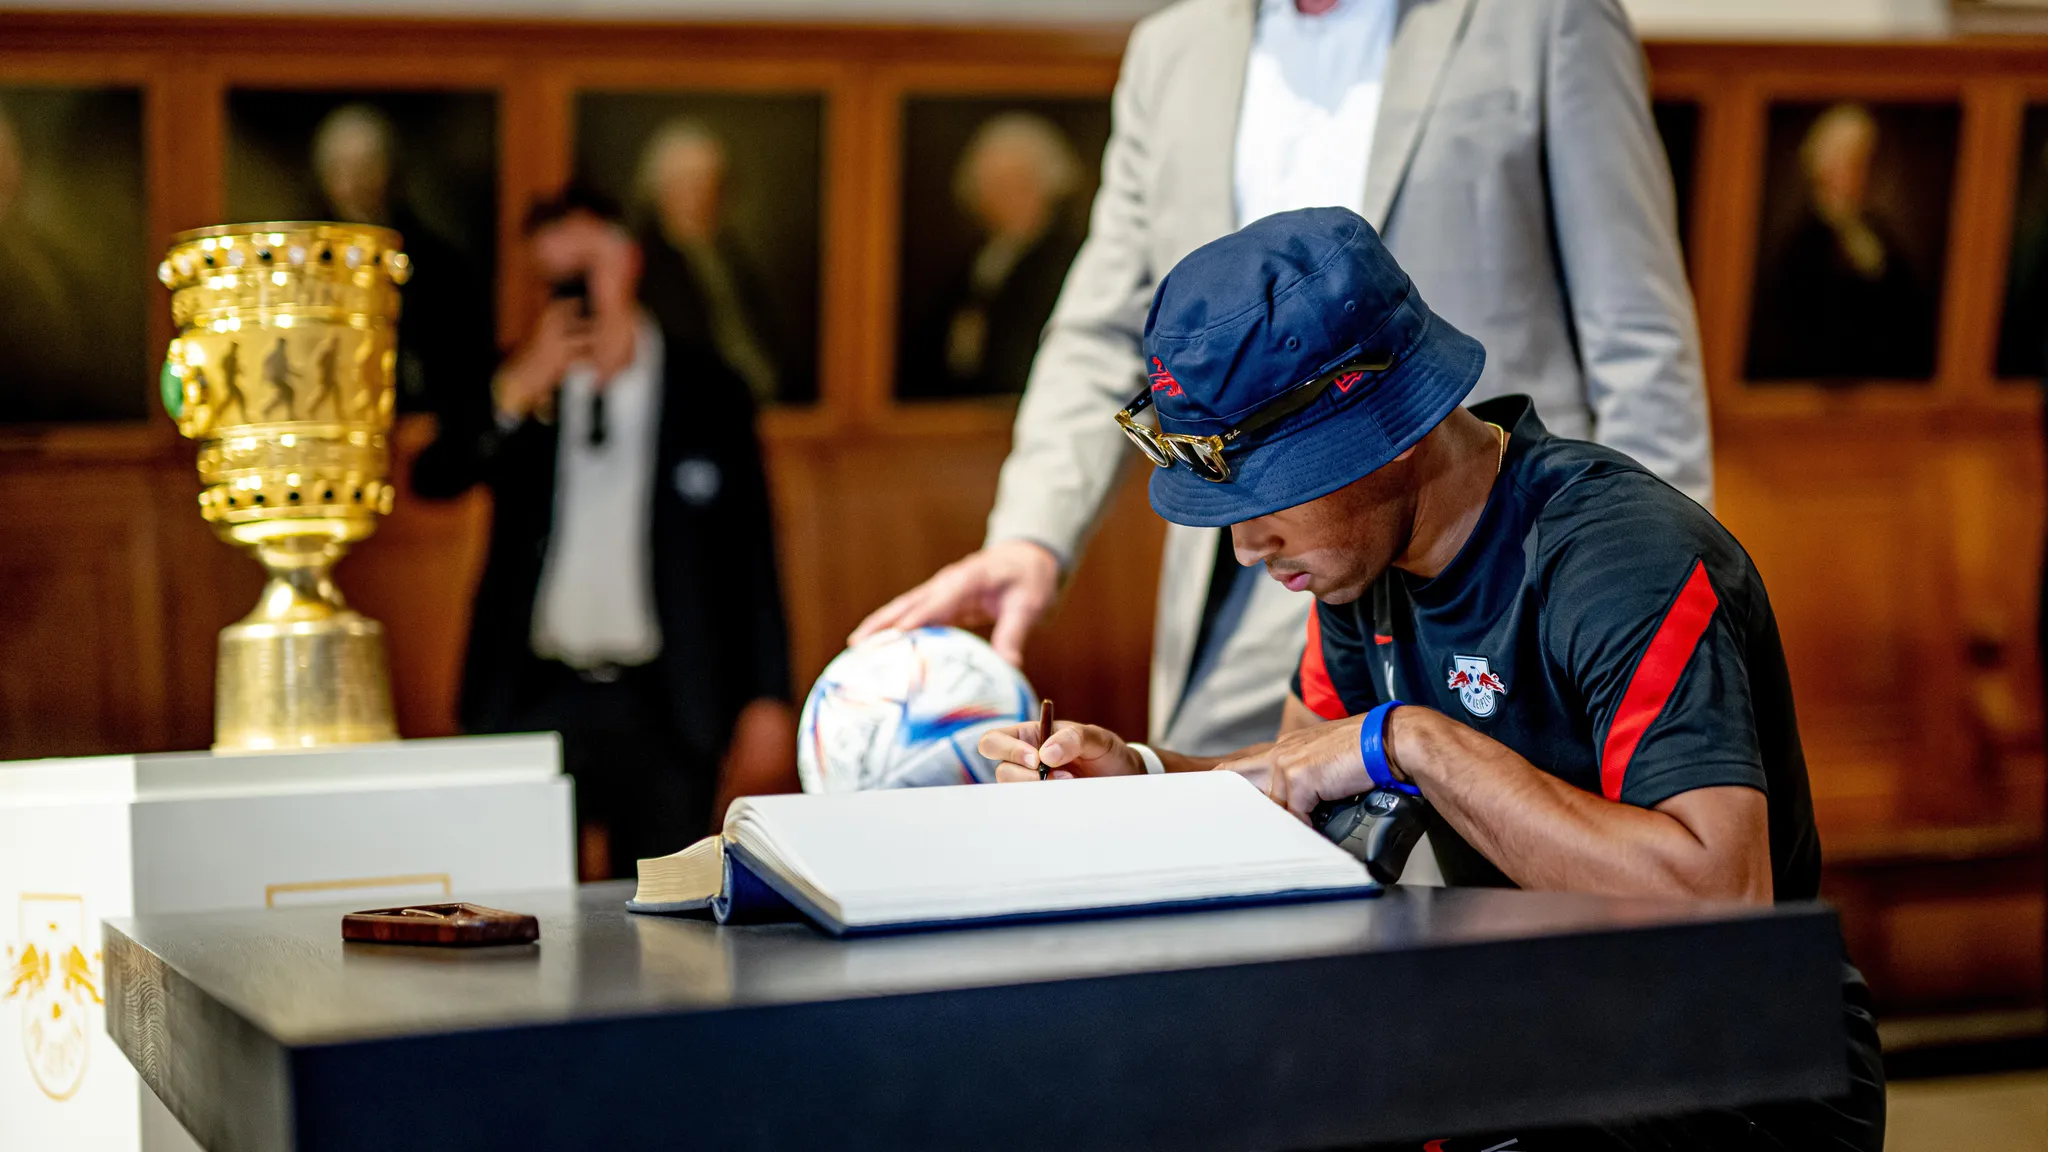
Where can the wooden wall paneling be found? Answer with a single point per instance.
(1732, 131)
(1726, 120)
(1993, 493)
(1980, 237)
(886, 512)
(816, 550)
(880, 176)
(1965, 946)
(808, 444)
(1843, 549)
(81, 634)
(858, 140)
(535, 143)
(871, 519)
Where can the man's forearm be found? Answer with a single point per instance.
(1545, 834)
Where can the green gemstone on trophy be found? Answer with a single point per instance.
(173, 387)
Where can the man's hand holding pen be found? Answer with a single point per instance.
(1072, 750)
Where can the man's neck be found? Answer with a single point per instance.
(1457, 463)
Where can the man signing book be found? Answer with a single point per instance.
(1575, 665)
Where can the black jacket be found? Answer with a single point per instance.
(723, 639)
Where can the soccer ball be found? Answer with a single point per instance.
(905, 709)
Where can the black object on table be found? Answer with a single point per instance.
(1423, 1013)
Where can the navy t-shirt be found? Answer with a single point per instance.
(1601, 624)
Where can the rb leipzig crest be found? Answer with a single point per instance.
(58, 986)
(1476, 684)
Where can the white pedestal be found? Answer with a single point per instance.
(101, 836)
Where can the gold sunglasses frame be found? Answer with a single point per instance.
(1203, 455)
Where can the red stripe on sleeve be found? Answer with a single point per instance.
(1316, 690)
(1657, 676)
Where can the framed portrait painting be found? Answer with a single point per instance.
(995, 205)
(1851, 241)
(723, 189)
(75, 269)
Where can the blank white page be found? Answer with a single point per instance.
(971, 851)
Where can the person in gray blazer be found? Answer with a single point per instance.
(1506, 152)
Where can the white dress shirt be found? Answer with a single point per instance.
(1311, 103)
(596, 600)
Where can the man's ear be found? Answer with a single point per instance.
(1405, 453)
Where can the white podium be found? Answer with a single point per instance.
(364, 825)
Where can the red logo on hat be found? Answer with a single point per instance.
(1162, 380)
(1347, 379)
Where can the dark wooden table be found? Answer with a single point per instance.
(1419, 1014)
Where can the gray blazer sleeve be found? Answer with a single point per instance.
(1612, 205)
(1066, 451)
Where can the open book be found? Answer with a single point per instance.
(856, 862)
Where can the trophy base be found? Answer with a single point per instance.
(302, 685)
(302, 670)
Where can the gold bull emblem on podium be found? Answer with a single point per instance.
(58, 986)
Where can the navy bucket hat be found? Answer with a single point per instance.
(1275, 305)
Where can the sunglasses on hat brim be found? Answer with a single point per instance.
(1204, 454)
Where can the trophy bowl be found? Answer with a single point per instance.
(282, 370)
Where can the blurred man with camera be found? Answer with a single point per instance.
(630, 600)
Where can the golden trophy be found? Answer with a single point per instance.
(282, 370)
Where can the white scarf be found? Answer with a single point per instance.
(596, 599)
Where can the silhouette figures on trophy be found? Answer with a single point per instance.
(277, 372)
(230, 369)
(330, 381)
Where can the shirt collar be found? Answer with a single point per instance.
(643, 369)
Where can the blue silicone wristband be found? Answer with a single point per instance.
(1372, 748)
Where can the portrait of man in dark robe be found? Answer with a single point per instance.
(986, 250)
(1854, 234)
(724, 191)
(73, 263)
